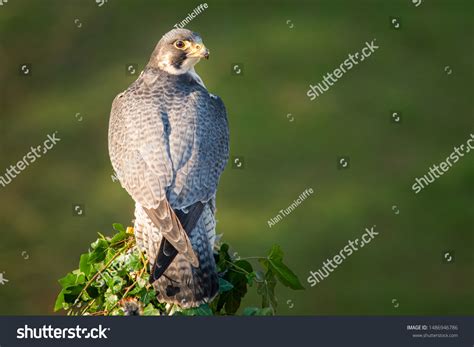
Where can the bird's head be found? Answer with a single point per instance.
(178, 51)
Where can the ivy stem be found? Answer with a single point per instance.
(130, 287)
(100, 272)
(169, 310)
(245, 272)
(245, 258)
(88, 306)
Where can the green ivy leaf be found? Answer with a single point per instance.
(99, 250)
(224, 258)
(72, 279)
(151, 311)
(110, 254)
(133, 263)
(266, 311)
(224, 286)
(266, 288)
(282, 272)
(118, 237)
(286, 276)
(137, 291)
(119, 227)
(147, 296)
(93, 292)
(125, 262)
(243, 264)
(110, 299)
(250, 311)
(237, 276)
(276, 254)
(251, 277)
(84, 265)
(59, 301)
(71, 294)
(117, 284)
(255, 311)
(225, 248)
(203, 310)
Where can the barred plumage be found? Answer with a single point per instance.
(169, 143)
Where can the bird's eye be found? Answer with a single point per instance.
(179, 44)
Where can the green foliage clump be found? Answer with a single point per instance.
(113, 276)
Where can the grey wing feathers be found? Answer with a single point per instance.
(198, 178)
(168, 144)
(136, 143)
(144, 168)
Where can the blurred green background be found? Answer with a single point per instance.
(81, 69)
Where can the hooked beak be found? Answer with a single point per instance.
(199, 51)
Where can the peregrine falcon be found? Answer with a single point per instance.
(168, 144)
